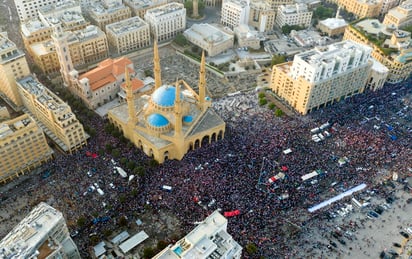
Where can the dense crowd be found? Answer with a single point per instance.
(227, 172)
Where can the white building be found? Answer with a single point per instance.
(27, 9)
(139, 7)
(128, 35)
(166, 21)
(211, 38)
(261, 15)
(377, 76)
(234, 13)
(296, 14)
(332, 26)
(323, 63)
(208, 240)
(68, 13)
(41, 234)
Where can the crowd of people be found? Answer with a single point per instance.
(227, 172)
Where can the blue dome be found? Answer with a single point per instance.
(157, 120)
(187, 119)
(165, 96)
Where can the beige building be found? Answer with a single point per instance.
(128, 35)
(388, 5)
(400, 16)
(101, 84)
(53, 115)
(209, 239)
(332, 26)
(4, 113)
(86, 47)
(34, 30)
(166, 21)
(139, 7)
(211, 38)
(13, 66)
(322, 76)
(42, 234)
(274, 4)
(261, 15)
(296, 14)
(394, 51)
(23, 147)
(234, 13)
(247, 37)
(171, 121)
(107, 12)
(362, 8)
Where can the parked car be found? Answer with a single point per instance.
(372, 214)
(404, 234)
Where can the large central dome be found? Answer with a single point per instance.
(165, 96)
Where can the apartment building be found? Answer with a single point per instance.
(261, 15)
(362, 8)
(128, 35)
(400, 16)
(209, 239)
(388, 5)
(211, 38)
(23, 147)
(332, 26)
(166, 21)
(27, 9)
(393, 49)
(140, 7)
(296, 14)
(13, 66)
(68, 14)
(274, 4)
(322, 76)
(86, 47)
(52, 114)
(101, 84)
(42, 233)
(107, 12)
(234, 13)
(247, 36)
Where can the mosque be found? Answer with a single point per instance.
(170, 121)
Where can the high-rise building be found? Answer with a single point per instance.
(23, 147)
(53, 115)
(391, 47)
(234, 13)
(101, 84)
(261, 15)
(166, 21)
(27, 9)
(41, 234)
(322, 76)
(13, 66)
(209, 239)
(107, 12)
(128, 35)
(171, 121)
(400, 16)
(362, 8)
(139, 7)
(296, 14)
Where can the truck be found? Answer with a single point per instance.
(100, 191)
(120, 171)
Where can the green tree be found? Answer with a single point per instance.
(161, 244)
(278, 112)
(107, 232)
(278, 59)
(148, 252)
(123, 161)
(251, 248)
(286, 29)
(271, 106)
(262, 95)
(180, 40)
(189, 7)
(115, 153)
(322, 13)
(94, 240)
(81, 222)
(148, 72)
(123, 221)
(262, 101)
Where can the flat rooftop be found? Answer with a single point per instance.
(127, 25)
(208, 33)
(165, 9)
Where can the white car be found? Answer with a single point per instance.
(409, 230)
(112, 186)
(96, 185)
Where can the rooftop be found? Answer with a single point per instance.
(127, 25)
(334, 23)
(165, 9)
(27, 237)
(31, 26)
(208, 32)
(9, 127)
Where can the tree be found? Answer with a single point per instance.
(148, 72)
(251, 248)
(161, 244)
(278, 112)
(148, 252)
(115, 153)
(286, 29)
(123, 221)
(180, 40)
(278, 59)
(261, 95)
(271, 106)
(81, 222)
(262, 101)
(189, 7)
(322, 13)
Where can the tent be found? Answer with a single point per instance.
(284, 168)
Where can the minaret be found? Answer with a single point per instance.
(202, 81)
(178, 112)
(195, 8)
(156, 64)
(63, 53)
(130, 100)
(338, 13)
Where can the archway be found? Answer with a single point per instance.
(166, 155)
(205, 140)
(140, 144)
(213, 138)
(220, 135)
(197, 144)
(190, 146)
